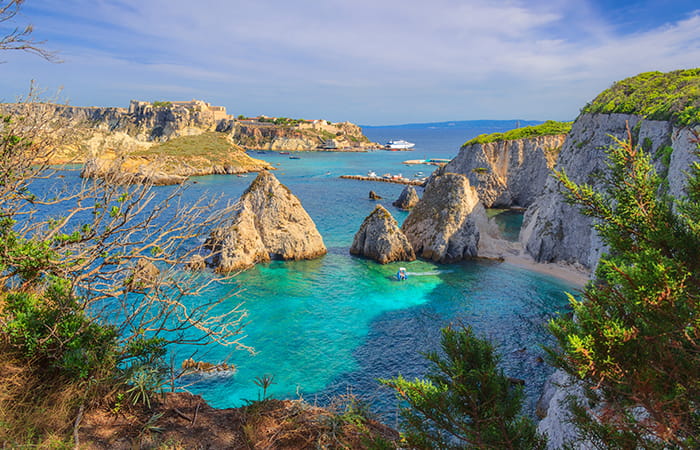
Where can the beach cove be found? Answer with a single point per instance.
(335, 325)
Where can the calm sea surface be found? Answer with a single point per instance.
(337, 324)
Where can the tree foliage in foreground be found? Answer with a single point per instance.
(465, 401)
(635, 338)
(92, 286)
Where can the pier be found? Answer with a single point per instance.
(431, 161)
(385, 180)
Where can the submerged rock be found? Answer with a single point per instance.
(381, 239)
(407, 199)
(443, 226)
(269, 222)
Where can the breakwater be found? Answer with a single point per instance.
(385, 180)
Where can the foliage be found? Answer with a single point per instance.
(671, 96)
(70, 317)
(465, 400)
(284, 121)
(161, 104)
(636, 334)
(549, 128)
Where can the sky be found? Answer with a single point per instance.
(372, 62)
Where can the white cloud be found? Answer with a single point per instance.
(447, 54)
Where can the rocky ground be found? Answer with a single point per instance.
(185, 421)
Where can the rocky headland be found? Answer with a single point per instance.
(380, 238)
(175, 160)
(269, 222)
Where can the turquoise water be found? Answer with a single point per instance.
(338, 323)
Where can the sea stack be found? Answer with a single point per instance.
(380, 238)
(269, 222)
(442, 227)
(407, 199)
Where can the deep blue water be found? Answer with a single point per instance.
(337, 324)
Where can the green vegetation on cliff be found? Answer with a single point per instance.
(201, 151)
(671, 96)
(549, 128)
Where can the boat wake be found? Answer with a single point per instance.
(429, 273)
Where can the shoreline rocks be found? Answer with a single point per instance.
(380, 238)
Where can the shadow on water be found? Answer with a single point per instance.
(507, 306)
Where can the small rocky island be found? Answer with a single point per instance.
(380, 238)
(269, 222)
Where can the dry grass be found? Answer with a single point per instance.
(33, 413)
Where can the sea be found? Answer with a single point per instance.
(336, 325)
(325, 328)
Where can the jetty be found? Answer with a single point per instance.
(431, 161)
(397, 180)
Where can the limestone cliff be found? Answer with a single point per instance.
(443, 226)
(554, 231)
(298, 135)
(100, 129)
(508, 173)
(381, 239)
(269, 223)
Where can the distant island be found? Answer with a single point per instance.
(166, 141)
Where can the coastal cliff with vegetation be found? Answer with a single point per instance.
(660, 110)
(510, 169)
(172, 161)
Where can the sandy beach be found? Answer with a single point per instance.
(565, 272)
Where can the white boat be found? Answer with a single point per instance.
(399, 144)
(372, 174)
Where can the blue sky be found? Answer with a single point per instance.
(367, 61)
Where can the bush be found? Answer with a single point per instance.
(549, 128)
(465, 400)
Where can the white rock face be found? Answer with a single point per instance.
(381, 239)
(443, 225)
(508, 173)
(554, 231)
(269, 223)
(560, 387)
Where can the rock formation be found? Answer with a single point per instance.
(443, 226)
(269, 222)
(381, 239)
(508, 173)
(407, 199)
(374, 196)
(554, 231)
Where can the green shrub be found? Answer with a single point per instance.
(549, 128)
(673, 96)
(465, 401)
